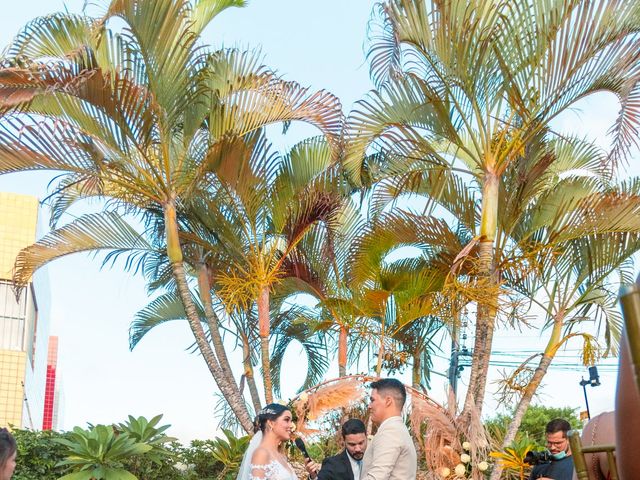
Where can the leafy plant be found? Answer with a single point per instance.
(172, 466)
(533, 423)
(512, 458)
(38, 455)
(198, 456)
(229, 452)
(99, 453)
(160, 461)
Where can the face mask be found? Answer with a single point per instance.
(559, 456)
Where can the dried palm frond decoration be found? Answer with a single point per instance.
(435, 430)
(444, 438)
(315, 402)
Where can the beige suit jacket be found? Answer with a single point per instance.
(391, 455)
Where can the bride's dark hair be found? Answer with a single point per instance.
(271, 412)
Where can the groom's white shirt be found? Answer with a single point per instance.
(391, 455)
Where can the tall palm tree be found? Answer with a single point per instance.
(579, 238)
(143, 116)
(469, 85)
(270, 205)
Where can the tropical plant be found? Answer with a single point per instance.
(142, 116)
(393, 306)
(146, 431)
(470, 87)
(200, 460)
(511, 459)
(532, 426)
(229, 452)
(98, 453)
(253, 225)
(269, 211)
(576, 239)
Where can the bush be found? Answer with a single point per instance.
(45, 455)
(533, 423)
(200, 460)
(38, 455)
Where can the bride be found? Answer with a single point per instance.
(264, 458)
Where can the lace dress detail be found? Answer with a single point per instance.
(272, 471)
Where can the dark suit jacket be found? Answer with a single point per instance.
(337, 467)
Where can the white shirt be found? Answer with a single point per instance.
(356, 466)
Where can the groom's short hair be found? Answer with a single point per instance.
(393, 388)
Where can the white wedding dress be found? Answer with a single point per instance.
(272, 471)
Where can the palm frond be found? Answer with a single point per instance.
(91, 232)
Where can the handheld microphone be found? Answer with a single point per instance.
(301, 446)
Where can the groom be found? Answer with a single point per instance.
(391, 454)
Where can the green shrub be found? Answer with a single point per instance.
(200, 460)
(159, 462)
(38, 455)
(137, 448)
(533, 423)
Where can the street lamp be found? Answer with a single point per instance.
(594, 381)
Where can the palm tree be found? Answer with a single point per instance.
(587, 256)
(143, 116)
(578, 237)
(398, 302)
(270, 205)
(562, 225)
(470, 85)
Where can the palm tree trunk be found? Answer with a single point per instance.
(264, 324)
(214, 328)
(228, 388)
(486, 311)
(248, 373)
(380, 354)
(174, 252)
(342, 351)
(416, 371)
(530, 390)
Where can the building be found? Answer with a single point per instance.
(51, 392)
(24, 320)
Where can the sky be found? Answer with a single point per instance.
(320, 45)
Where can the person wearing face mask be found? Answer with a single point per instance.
(8, 451)
(561, 465)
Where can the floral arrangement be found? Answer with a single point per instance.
(440, 435)
(464, 468)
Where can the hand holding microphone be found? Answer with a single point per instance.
(312, 467)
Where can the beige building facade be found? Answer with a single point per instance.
(24, 320)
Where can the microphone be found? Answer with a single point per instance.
(301, 446)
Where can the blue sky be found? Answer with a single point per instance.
(318, 44)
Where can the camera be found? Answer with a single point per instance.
(536, 458)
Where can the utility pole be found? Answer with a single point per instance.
(453, 363)
(455, 366)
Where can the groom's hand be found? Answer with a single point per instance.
(311, 467)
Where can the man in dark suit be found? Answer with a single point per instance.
(348, 464)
